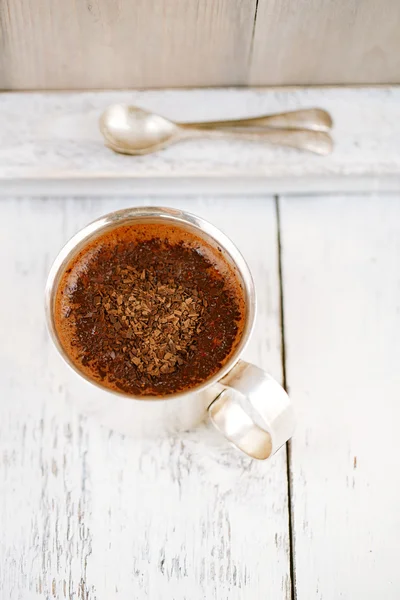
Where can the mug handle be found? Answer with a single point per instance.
(262, 421)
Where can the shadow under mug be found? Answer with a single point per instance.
(243, 402)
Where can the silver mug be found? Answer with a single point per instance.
(243, 402)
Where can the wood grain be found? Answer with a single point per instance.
(50, 144)
(90, 514)
(63, 44)
(342, 330)
(326, 42)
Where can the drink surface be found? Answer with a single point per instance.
(149, 309)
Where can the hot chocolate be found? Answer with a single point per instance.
(149, 309)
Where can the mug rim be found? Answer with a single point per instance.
(161, 213)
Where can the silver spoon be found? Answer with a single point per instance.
(132, 130)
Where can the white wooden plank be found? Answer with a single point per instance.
(63, 44)
(109, 44)
(50, 143)
(298, 42)
(342, 327)
(91, 514)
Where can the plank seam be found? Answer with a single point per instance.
(253, 33)
(292, 566)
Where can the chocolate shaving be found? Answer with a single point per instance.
(152, 318)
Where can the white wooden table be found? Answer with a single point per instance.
(89, 514)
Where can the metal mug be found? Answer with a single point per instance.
(243, 402)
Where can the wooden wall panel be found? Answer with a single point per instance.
(59, 44)
(88, 44)
(326, 42)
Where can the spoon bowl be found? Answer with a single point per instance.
(132, 130)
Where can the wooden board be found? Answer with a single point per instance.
(305, 43)
(90, 514)
(63, 44)
(51, 144)
(341, 286)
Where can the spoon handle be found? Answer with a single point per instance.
(318, 142)
(314, 119)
